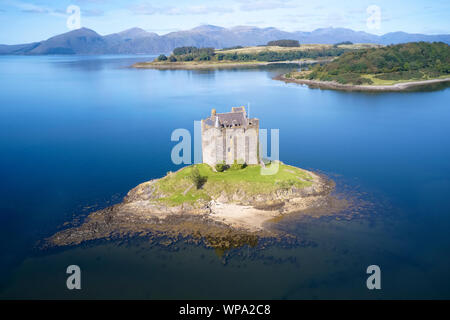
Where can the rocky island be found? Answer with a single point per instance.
(230, 199)
(222, 209)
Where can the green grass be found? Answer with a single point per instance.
(381, 82)
(249, 180)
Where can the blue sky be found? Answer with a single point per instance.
(33, 20)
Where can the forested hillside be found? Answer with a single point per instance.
(415, 60)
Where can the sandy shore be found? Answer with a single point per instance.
(404, 86)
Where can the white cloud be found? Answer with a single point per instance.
(257, 5)
(92, 12)
(32, 8)
(40, 9)
(148, 9)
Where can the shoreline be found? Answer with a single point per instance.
(218, 65)
(219, 224)
(398, 87)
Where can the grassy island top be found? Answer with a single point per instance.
(178, 187)
(384, 65)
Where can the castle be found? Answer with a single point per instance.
(230, 137)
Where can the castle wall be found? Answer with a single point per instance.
(212, 145)
(229, 144)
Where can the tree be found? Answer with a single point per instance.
(162, 57)
(172, 58)
(197, 179)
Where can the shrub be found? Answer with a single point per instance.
(221, 167)
(237, 166)
(172, 59)
(188, 58)
(197, 178)
(162, 57)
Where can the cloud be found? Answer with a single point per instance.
(36, 9)
(31, 8)
(354, 17)
(26, 7)
(144, 9)
(92, 12)
(199, 10)
(257, 5)
(148, 9)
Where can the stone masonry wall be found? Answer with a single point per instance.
(229, 144)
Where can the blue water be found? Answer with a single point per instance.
(82, 131)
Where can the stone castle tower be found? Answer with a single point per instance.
(230, 137)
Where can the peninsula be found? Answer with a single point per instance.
(228, 200)
(281, 51)
(391, 68)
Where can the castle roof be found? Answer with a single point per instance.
(232, 119)
(236, 118)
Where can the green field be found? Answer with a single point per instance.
(302, 47)
(177, 187)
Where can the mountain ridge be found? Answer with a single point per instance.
(140, 41)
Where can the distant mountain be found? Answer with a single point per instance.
(139, 41)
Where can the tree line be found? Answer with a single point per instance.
(284, 43)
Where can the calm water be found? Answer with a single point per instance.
(82, 131)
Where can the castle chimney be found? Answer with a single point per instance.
(216, 124)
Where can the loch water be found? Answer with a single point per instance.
(77, 132)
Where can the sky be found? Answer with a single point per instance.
(23, 21)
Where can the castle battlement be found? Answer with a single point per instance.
(229, 137)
